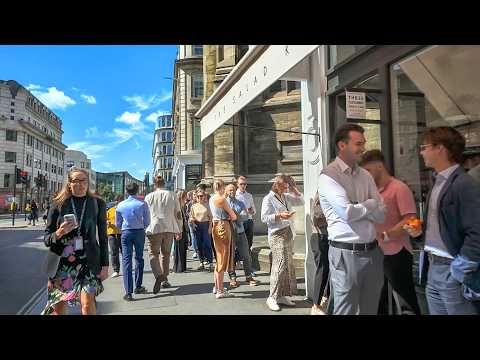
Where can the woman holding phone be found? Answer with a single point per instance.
(73, 222)
(277, 213)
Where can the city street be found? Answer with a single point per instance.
(21, 256)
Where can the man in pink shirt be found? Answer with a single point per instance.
(391, 236)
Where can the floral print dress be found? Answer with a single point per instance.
(73, 276)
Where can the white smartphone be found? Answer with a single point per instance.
(71, 218)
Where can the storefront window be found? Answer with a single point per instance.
(436, 87)
(339, 53)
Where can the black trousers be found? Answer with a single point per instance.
(319, 245)
(180, 257)
(115, 250)
(398, 271)
(248, 226)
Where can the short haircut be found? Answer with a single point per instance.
(132, 189)
(241, 177)
(343, 132)
(159, 181)
(450, 138)
(202, 186)
(371, 156)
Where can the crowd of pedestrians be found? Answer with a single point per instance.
(363, 220)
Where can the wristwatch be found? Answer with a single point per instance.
(386, 238)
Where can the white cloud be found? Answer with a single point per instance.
(33, 87)
(53, 98)
(91, 132)
(89, 99)
(93, 151)
(138, 145)
(75, 89)
(129, 118)
(142, 103)
(122, 135)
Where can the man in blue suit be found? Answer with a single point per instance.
(452, 226)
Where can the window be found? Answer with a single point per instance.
(220, 53)
(164, 149)
(197, 50)
(10, 157)
(291, 151)
(277, 86)
(197, 85)
(164, 136)
(82, 164)
(12, 103)
(197, 143)
(339, 53)
(12, 111)
(6, 180)
(169, 149)
(46, 166)
(169, 135)
(11, 135)
(292, 86)
(12, 117)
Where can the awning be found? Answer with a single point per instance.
(261, 66)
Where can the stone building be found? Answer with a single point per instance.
(186, 100)
(31, 139)
(80, 160)
(255, 146)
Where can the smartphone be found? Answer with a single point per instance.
(292, 213)
(71, 218)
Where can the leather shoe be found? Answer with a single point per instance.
(128, 297)
(140, 290)
(158, 285)
(166, 285)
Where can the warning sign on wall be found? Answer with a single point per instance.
(356, 105)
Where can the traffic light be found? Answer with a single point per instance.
(23, 177)
(18, 176)
(39, 180)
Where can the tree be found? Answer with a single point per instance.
(105, 192)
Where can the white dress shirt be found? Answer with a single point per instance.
(433, 239)
(247, 199)
(164, 207)
(351, 203)
(271, 206)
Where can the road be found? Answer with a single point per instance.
(21, 255)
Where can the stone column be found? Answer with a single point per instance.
(209, 66)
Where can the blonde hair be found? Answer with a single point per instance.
(279, 178)
(218, 185)
(66, 192)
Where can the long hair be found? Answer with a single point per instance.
(66, 192)
(218, 185)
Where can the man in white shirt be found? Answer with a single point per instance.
(247, 199)
(165, 224)
(352, 205)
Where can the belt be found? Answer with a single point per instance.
(439, 260)
(354, 246)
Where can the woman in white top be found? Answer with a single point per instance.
(277, 213)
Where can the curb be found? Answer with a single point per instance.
(34, 300)
(13, 227)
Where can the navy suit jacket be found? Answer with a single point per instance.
(459, 215)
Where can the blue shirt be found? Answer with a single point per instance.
(238, 206)
(132, 214)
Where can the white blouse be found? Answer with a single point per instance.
(272, 205)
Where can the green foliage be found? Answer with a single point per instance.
(106, 193)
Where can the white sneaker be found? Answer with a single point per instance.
(272, 304)
(224, 294)
(115, 274)
(285, 301)
(214, 291)
(317, 311)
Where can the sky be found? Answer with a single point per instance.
(108, 97)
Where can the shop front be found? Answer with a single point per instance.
(407, 88)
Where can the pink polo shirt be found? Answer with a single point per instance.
(399, 201)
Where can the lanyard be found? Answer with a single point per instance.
(76, 214)
(283, 203)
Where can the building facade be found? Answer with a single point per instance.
(186, 100)
(163, 150)
(118, 182)
(261, 140)
(79, 159)
(31, 139)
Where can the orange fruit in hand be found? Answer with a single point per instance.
(415, 223)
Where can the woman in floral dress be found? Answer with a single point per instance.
(84, 255)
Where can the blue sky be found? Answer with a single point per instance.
(107, 96)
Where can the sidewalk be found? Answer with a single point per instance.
(6, 223)
(191, 294)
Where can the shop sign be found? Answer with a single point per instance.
(356, 105)
(193, 172)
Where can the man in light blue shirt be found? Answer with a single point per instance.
(132, 217)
